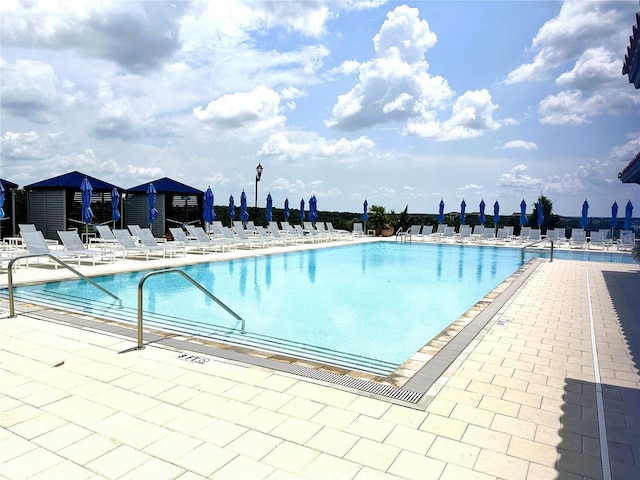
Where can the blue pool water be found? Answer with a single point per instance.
(368, 306)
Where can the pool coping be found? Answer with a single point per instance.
(411, 384)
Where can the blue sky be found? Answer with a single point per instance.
(401, 103)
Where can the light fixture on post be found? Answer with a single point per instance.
(258, 175)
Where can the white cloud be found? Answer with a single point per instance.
(517, 179)
(395, 85)
(99, 30)
(572, 107)
(258, 109)
(629, 149)
(577, 27)
(594, 68)
(31, 89)
(520, 144)
(293, 146)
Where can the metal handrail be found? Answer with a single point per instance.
(403, 235)
(12, 310)
(195, 283)
(535, 243)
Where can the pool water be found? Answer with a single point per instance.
(366, 306)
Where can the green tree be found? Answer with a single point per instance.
(549, 220)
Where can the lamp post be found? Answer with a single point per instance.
(258, 175)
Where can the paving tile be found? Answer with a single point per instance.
(290, 457)
(220, 432)
(371, 428)
(456, 472)
(67, 470)
(254, 444)
(471, 415)
(371, 407)
(335, 417)
(118, 462)
(404, 416)
(486, 438)
(301, 408)
(454, 452)
(154, 468)
(514, 426)
(533, 451)
(242, 467)
(172, 445)
(37, 426)
(410, 439)
(296, 430)
(416, 467)
(501, 465)
(446, 427)
(326, 467)
(332, 441)
(373, 454)
(30, 463)
(88, 448)
(204, 459)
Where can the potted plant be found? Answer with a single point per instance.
(379, 221)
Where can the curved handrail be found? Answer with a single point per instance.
(403, 234)
(196, 284)
(535, 243)
(12, 310)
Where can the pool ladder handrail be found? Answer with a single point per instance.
(403, 235)
(12, 310)
(535, 243)
(193, 282)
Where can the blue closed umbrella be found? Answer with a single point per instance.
(244, 215)
(151, 193)
(365, 214)
(269, 207)
(482, 219)
(614, 216)
(208, 215)
(313, 209)
(463, 207)
(86, 189)
(302, 210)
(523, 213)
(232, 208)
(540, 214)
(1, 200)
(628, 213)
(584, 220)
(286, 209)
(115, 203)
(496, 213)
(441, 212)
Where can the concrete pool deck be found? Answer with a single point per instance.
(522, 401)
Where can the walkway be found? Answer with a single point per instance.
(520, 403)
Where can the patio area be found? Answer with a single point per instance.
(528, 399)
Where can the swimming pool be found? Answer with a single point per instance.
(367, 306)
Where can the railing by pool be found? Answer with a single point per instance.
(12, 310)
(535, 243)
(193, 282)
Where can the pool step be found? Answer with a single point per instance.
(204, 329)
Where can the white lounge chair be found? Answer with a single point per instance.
(36, 243)
(627, 241)
(278, 236)
(148, 240)
(578, 238)
(193, 245)
(524, 234)
(131, 249)
(73, 243)
(339, 234)
(247, 241)
(464, 234)
(307, 234)
(223, 237)
(534, 235)
(357, 230)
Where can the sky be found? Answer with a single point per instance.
(399, 103)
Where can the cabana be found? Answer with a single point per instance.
(56, 203)
(176, 204)
(8, 222)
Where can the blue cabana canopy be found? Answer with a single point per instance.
(73, 180)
